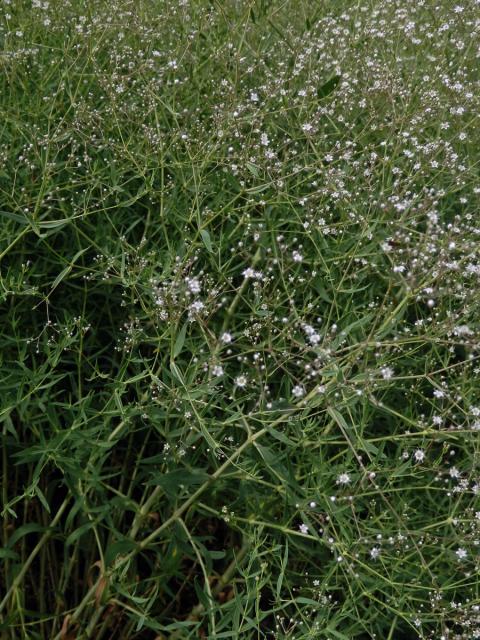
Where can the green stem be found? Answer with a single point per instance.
(21, 574)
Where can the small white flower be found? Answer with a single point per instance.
(241, 381)
(314, 338)
(374, 553)
(217, 370)
(193, 284)
(461, 553)
(297, 257)
(343, 478)
(419, 455)
(307, 127)
(303, 528)
(298, 391)
(196, 306)
(248, 273)
(226, 337)
(264, 140)
(387, 373)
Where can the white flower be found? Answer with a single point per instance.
(298, 391)
(297, 257)
(343, 478)
(387, 373)
(264, 140)
(419, 455)
(196, 306)
(461, 553)
(217, 370)
(241, 381)
(193, 284)
(307, 127)
(248, 273)
(374, 553)
(303, 528)
(226, 337)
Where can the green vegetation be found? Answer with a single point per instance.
(239, 319)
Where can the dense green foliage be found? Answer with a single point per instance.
(239, 331)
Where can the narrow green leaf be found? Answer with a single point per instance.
(41, 496)
(179, 342)
(206, 240)
(8, 553)
(67, 270)
(338, 418)
(329, 87)
(281, 437)
(18, 534)
(177, 373)
(78, 533)
(282, 570)
(14, 216)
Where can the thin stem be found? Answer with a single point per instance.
(23, 571)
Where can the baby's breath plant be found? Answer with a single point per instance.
(239, 336)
